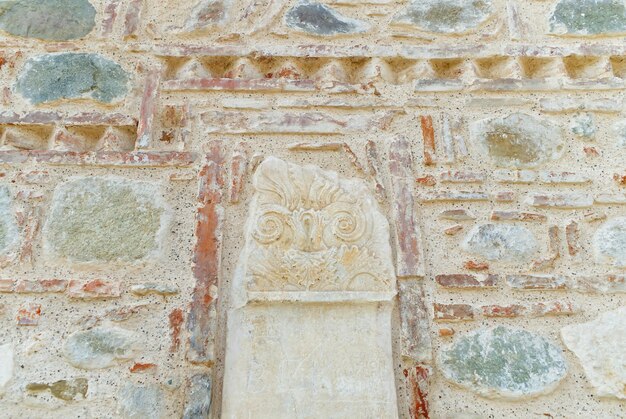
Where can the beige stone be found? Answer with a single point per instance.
(308, 333)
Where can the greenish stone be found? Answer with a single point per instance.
(319, 19)
(583, 126)
(9, 235)
(53, 20)
(518, 140)
(99, 347)
(503, 362)
(589, 17)
(97, 220)
(501, 242)
(63, 389)
(445, 16)
(70, 76)
(136, 402)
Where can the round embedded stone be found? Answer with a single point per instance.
(52, 20)
(503, 363)
(52, 77)
(589, 17)
(104, 220)
(518, 140)
(609, 242)
(445, 16)
(501, 242)
(318, 19)
(9, 235)
(99, 347)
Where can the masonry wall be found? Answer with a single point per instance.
(491, 132)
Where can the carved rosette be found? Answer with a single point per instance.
(309, 230)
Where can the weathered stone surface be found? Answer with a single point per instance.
(445, 16)
(589, 17)
(583, 126)
(503, 363)
(198, 397)
(9, 234)
(518, 140)
(312, 299)
(63, 389)
(137, 402)
(105, 219)
(609, 242)
(318, 19)
(99, 347)
(502, 242)
(6, 365)
(53, 20)
(52, 77)
(600, 345)
(207, 14)
(153, 288)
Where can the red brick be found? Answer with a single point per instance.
(206, 256)
(28, 314)
(7, 285)
(426, 180)
(428, 136)
(512, 310)
(517, 216)
(176, 319)
(409, 256)
(94, 289)
(148, 107)
(446, 331)
(133, 17)
(467, 281)
(418, 382)
(238, 171)
(475, 266)
(139, 367)
(572, 235)
(41, 286)
(374, 167)
(453, 312)
(414, 321)
(620, 179)
(537, 282)
(552, 308)
(455, 229)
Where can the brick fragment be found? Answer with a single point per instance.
(409, 256)
(454, 230)
(206, 256)
(572, 235)
(414, 321)
(100, 158)
(66, 118)
(428, 136)
(456, 215)
(418, 382)
(315, 146)
(605, 284)
(475, 266)
(374, 167)
(508, 311)
(554, 249)
(503, 196)
(453, 312)
(28, 314)
(552, 308)
(148, 107)
(41, 286)
(467, 281)
(94, 289)
(461, 177)
(571, 178)
(141, 367)
(537, 282)
(446, 331)
(591, 217)
(561, 200)
(446, 195)
(517, 216)
(426, 180)
(238, 172)
(133, 17)
(591, 151)
(7, 285)
(110, 15)
(620, 179)
(176, 319)
(610, 199)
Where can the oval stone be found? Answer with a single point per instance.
(71, 76)
(609, 242)
(9, 234)
(318, 19)
(52, 20)
(96, 220)
(503, 363)
(445, 16)
(99, 347)
(589, 17)
(518, 140)
(501, 242)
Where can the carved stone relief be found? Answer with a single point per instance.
(309, 331)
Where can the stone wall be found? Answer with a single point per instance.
(489, 134)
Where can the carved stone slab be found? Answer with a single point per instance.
(309, 332)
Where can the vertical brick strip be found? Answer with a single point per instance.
(374, 168)
(414, 321)
(417, 381)
(409, 257)
(148, 109)
(133, 14)
(428, 135)
(206, 258)
(176, 321)
(110, 15)
(238, 170)
(572, 235)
